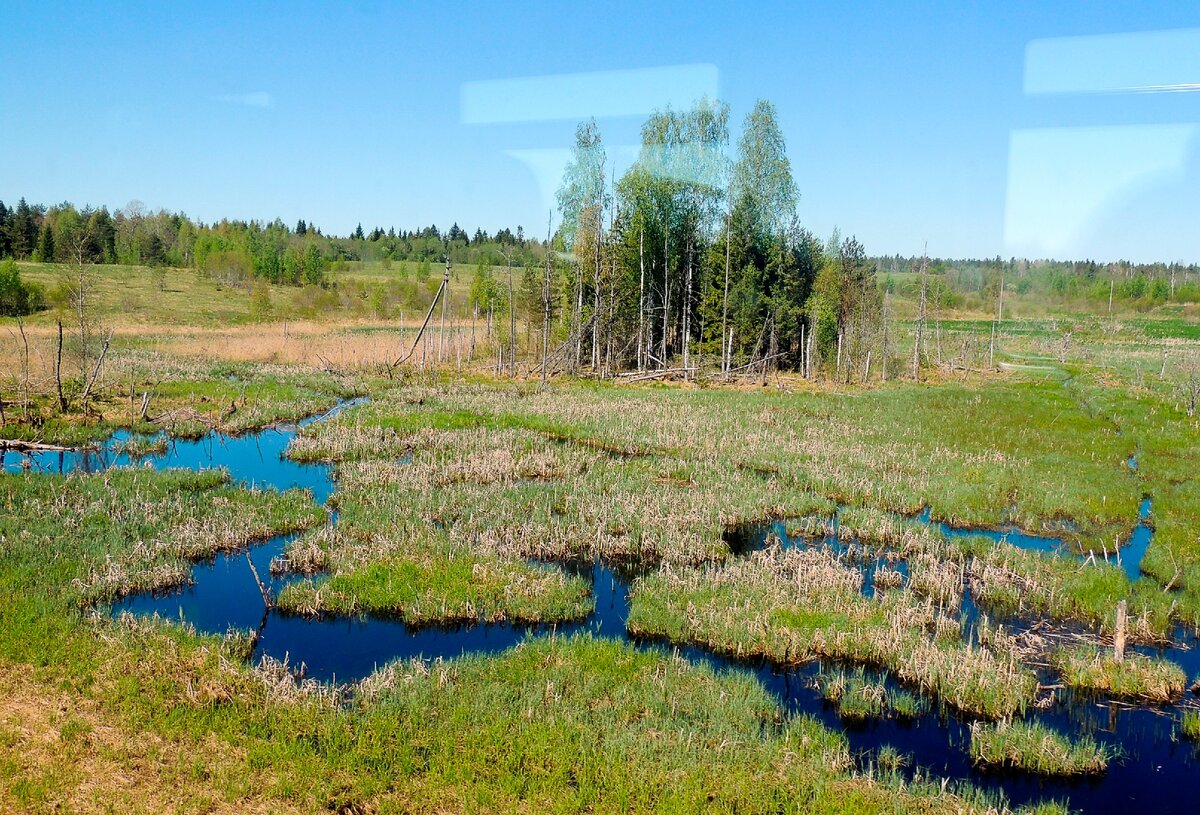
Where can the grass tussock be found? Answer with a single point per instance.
(859, 697)
(1136, 677)
(1189, 725)
(424, 579)
(793, 605)
(1035, 748)
(129, 530)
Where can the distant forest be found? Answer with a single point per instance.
(694, 251)
(271, 251)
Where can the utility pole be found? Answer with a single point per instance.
(445, 297)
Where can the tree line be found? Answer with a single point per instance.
(233, 250)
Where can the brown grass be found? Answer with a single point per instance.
(75, 758)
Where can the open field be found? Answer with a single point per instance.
(950, 550)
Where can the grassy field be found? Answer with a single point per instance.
(458, 494)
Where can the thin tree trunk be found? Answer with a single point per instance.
(809, 373)
(91, 381)
(920, 322)
(803, 368)
(546, 304)
(666, 295)
(512, 327)
(641, 359)
(24, 366)
(725, 298)
(687, 311)
(596, 287)
(886, 320)
(446, 296)
(62, 400)
(612, 303)
(475, 319)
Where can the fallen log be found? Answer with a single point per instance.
(32, 446)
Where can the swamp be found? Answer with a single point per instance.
(654, 491)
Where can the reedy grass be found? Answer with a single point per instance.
(141, 446)
(188, 398)
(430, 582)
(891, 760)
(1189, 725)
(1136, 677)
(602, 723)
(131, 530)
(791, 606)
(859, 697)
(1036, 748)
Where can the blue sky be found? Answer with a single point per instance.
(1039, 129)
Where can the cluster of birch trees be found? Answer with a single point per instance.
(695, 258)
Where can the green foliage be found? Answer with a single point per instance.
(1035, 748)
(1135, 677)
(18, 298)
(261, 308)
(1189, 725)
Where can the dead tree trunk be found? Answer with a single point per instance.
(1119, 634)
(512, 328)
(24, 367)
(62, 399)
(445, 296)
(920, 321)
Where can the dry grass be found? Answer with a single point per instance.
(790, 606)
(63, 752)
(1135, 677)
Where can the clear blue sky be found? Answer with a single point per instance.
(905, 123)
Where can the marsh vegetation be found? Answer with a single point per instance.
(473, 591)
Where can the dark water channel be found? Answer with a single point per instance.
(1157, 772)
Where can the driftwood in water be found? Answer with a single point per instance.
(31, 446)
(266, 593)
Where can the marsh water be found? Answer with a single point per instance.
(1157, 770)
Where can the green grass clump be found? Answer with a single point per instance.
(141, 446)
(1136, 677)
(435, 584)
(1035, 748)
(131, 530)
(858, 697)
(790, 606)
(891, 760)
(1189, 725)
